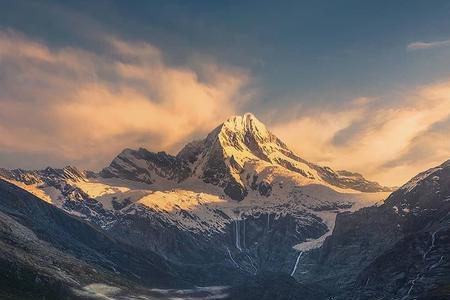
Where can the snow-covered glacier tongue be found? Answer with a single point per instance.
(237, 203)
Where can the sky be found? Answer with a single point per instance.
(356, 85)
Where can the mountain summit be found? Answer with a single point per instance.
(238, 156)
(238, 202)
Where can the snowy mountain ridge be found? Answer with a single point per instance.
(241, 203)
(239, 155)
(194, 190)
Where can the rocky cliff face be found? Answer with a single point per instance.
(233, 156)
(398, 250)
(49, 175)
(148, 167)
(46, 253)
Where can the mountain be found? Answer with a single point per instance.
(398, 250)
(239, 155)
(144, 166)
(193, 192)
(236, 204)
(49, 254)
(237, 214)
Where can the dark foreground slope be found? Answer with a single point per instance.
(278, 286)
(399, 250)
(44, 252)
(48, 254)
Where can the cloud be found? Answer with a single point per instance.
(427, 45)
(66, 104)
(384, 140)
(63, 105)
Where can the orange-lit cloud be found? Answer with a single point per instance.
(69, 105)
(389, 142)
(78, 106)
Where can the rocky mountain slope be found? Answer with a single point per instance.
(49, 254)
(235, 204)
(239, 197)
(239, 155)
(399, 250)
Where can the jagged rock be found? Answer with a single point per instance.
(239, 146)
(398, 250)
(46, 252)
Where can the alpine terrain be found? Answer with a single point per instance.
(236, 215)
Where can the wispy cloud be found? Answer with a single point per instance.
(72, 105)
(67, 104)
(427, 45)
(389, 141)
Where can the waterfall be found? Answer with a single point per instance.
(238, 240)
(252, 264)
(438, 263)
(243, 234)
(433, 241)
(428, 268)
(237, 235)
(232, 259)
(413, 283)
(268, 221)
(296, 263)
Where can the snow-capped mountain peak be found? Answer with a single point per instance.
(70, 173)
(242, 154)
(238, 156)
(247, 124)
(239, 171)
(245, 137)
